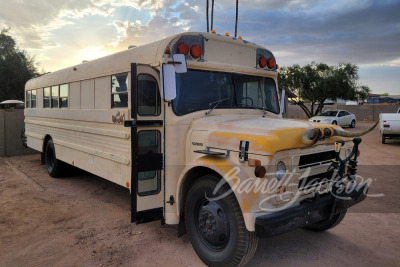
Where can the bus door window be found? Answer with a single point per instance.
(149, 182)
(148, 96)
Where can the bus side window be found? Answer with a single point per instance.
(46, 97)
(33, 99)
(54, 96)
(148, 101)
(119, 90)
(28, 99)
(64, 96)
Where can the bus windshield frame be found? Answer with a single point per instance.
(201, 89)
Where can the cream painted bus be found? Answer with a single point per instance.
(192, 126)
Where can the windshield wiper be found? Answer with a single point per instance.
(216, 104)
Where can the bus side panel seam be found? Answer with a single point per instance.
(105, 132)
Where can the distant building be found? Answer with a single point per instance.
(376, 99)
(12, 104)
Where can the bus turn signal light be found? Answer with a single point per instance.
(254, 162)
(260, 171)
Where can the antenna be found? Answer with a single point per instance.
(208, 30)
(237, 12)
(212, 15)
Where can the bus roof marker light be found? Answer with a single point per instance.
(213, 31)
(227, 34)
(167, 50)
(240, 37)
(182, 48)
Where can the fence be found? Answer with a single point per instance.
(11, 123)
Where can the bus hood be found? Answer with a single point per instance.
(265, 135)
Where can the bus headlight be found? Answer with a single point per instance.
(280, 170)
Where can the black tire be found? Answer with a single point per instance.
(327, 224)
(216, 228)
(353, 124)
(53, 165)
(383, 139)
(334, 123)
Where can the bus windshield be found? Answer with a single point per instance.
(201, 90)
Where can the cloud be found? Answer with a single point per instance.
(131, 33)
(364, 32)
(32, 21)
(360, 33)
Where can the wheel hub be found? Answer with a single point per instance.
(213, 224)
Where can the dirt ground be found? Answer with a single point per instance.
(83, 220)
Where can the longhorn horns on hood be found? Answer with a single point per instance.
(311, 136)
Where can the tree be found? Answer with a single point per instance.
(16, 68)
(314, 83)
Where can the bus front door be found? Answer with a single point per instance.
(147, 146)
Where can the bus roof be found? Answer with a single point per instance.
(218, 52)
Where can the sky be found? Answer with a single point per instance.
(62, 33)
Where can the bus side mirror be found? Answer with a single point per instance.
(167, 76)
(168, 82)
(179, 63)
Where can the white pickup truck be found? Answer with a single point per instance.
(389, 125)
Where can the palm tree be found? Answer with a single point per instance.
(237, 12)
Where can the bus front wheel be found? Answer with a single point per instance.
(53, 165)
(215, 225)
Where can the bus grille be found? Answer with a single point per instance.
(316, 159)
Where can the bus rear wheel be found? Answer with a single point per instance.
(53, 165)
(216, 226)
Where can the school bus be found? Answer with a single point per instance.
(192, 126)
